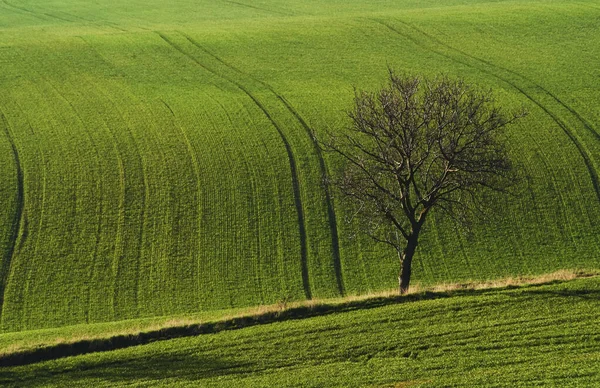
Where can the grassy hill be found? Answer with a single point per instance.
(538, 335)
(157, 160)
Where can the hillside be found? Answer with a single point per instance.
(542, 335)
(157, 159)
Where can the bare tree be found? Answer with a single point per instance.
(418, 145)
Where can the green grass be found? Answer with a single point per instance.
(24, 347)
(540, 335)
(156, 157)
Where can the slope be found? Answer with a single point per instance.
(531, 336)
(158, 158)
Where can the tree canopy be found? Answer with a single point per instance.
(417, 145)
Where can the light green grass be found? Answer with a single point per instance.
(141, 331)
(167, 168)
(534, 336)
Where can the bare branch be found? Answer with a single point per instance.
(417, 145)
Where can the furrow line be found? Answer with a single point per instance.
(580, 148)
(331, 215)
(291, 158)
(99, 188)
(23, 10)
(196, 172)
(332, 218)
(37, 15)
(583, 121)
(100, 205)
(221, 267)
(18, 217)
(122, 184)
(256, 8)
(258, 277)
(123, 216)
(57, 17)
(45, 16)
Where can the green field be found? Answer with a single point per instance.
(157, 160)
(532, 336)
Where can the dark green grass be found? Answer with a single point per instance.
(533, 336)
(156, 157)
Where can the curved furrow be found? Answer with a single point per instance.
(580, 148)
(129, 197)
(222, 268)
(37, 15)
(75, 19)
(18, 217)
(99, 188)
(193, 157)
(545, 160)
(292, 162)
(152, 232)
(46, 16)
(331, 214)
(576, 114)
(141, 237)
(121, 223)
(583, 121)
(121, 200)
(18, 292)
(254, 207)
(57, 17)
(23, 10)
(93, 95)
(100, 199)
(240, 4)
(100, 211)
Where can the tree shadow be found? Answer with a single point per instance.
(301, 312)
(583, 293)
(124, 368)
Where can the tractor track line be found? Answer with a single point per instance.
(123, 216)
(586, 158)
(37, 15)
(23, 10)
(332, 218)
(196, 172)
(583, 152)
(45, 16)
(240, 4)
(121, 171)
(255, 204)
(99, 188)
(583, 121)
(291, 158)
(18, 217)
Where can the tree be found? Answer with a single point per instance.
(417, 145)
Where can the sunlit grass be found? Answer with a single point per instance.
(157, 159)
(538, 335)
(11, 343)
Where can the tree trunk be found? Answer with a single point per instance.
(406, 261)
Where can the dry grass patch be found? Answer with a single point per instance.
(67, 336)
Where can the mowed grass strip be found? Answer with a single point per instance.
(531, 336)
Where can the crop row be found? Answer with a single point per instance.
(168, 170)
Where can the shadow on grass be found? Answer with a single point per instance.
(145, 370)
(584, 294)
(123, 341)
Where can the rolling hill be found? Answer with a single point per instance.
(157, 157)
(537, 335)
